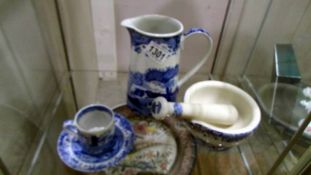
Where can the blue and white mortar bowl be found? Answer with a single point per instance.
(222, 136)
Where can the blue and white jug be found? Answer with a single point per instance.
(156, 42)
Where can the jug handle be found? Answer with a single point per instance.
(186, 35)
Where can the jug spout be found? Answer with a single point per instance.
(129, 23)
(154, 25)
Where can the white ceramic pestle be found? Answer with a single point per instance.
(224, 114)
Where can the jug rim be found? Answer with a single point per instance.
(129, 23)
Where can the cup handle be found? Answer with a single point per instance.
(193, 31)
(69, 126)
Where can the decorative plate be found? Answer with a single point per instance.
(161, 147)
(71, 154)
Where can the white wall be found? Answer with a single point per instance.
(77, 24)
(92, 40)
(241, 28)
(80, 32)
(208, 14)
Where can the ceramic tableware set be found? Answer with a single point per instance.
(216, 112)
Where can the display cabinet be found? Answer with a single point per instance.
(262, 47)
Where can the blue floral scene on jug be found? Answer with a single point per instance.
(154, 60)
(140, 42)
(73, 154)
(142, 88)
(155, 80)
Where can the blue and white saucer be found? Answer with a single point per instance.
(70, 152)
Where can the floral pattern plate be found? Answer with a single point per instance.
(161, 147)
(70, 151)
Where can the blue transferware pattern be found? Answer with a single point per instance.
(220, 135)
(139, 42)
(196, 30)
(72, 154)
(142, 88)
(154, 81)
(178, 109)
(156, 107)
(214, 138)
(157, 73)
(91, 144)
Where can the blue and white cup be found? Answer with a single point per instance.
(93, 128)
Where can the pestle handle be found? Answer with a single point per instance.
(224, 114)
